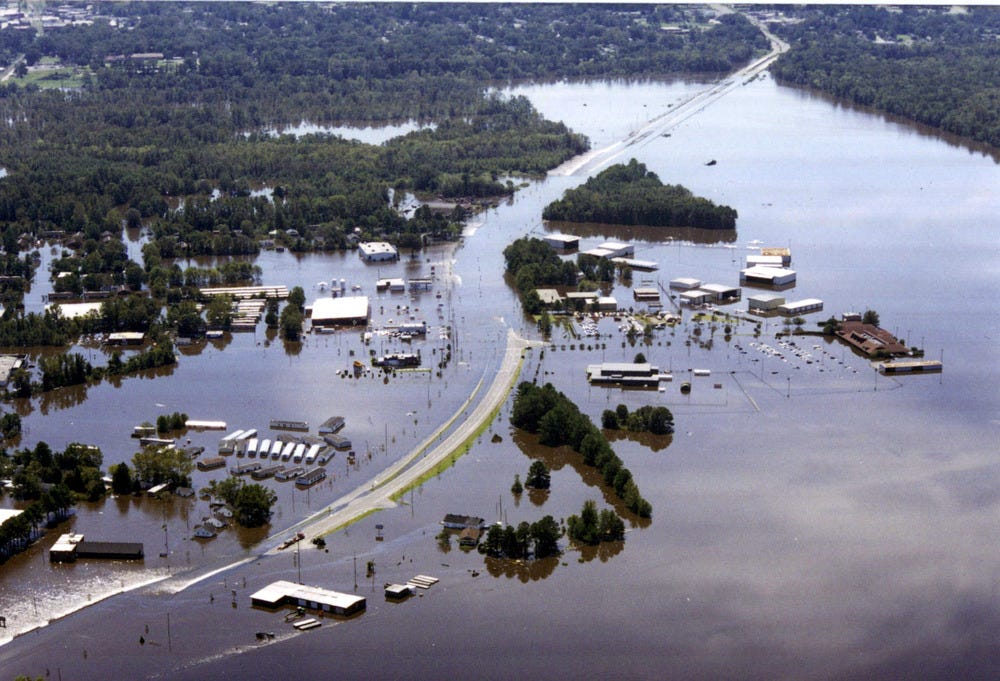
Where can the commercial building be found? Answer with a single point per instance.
(347, 311)
(765, 275)
(629, 374)
(780, 252)
(395, 285)
(565, 242)
(803, 306)
(305, 596)
(377, 251)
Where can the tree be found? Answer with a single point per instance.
(517, 488)
(220, 312)
(121, 479)
(297, 297)
(253, 505)
(870, 317)
(154, 465)
(545, 533)
(291, 323)
(639, 358)
(538, 476)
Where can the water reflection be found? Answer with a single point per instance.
(558, 457)
(523, 570)
(654, 443)
(62, 398)
(604, 551)
(642, 232)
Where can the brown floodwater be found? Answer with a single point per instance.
(810, 518)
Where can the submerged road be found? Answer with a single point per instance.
(377, 492)
(594, 160)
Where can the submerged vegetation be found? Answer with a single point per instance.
(558, 421)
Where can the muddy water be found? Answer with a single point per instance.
(808, 514)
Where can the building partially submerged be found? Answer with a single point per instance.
(627, 374)
(305, 596)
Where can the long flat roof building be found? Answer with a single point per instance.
(803, 306)
(347, 311)
(629, 374)
(685, 283)
(314, 597)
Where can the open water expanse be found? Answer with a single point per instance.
(810, 518)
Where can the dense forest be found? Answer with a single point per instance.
(169, 117)
(628, 194)
(928, 64)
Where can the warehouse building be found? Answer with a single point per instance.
(348, 311)
(765, 275)
(563, 242)
(721, 293)
(764, 302)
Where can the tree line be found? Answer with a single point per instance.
(925, 64)
(629, 194)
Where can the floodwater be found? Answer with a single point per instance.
(810, 518)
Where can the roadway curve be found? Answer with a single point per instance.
(377, 493)
(593, 161)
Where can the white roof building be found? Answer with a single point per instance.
(768, 275)
(346, 311)
(377, 251)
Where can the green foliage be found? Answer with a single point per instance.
(166, 423)
(121, 479)
(628, 194)
(291, 322)
(10, 425)
(870, 317)
(154, 465)
(538, 539)
(517, 488)
(647, 418)
(531, 263)
(593, 527)
(539, 476)
(76, 469)
(251, 503)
